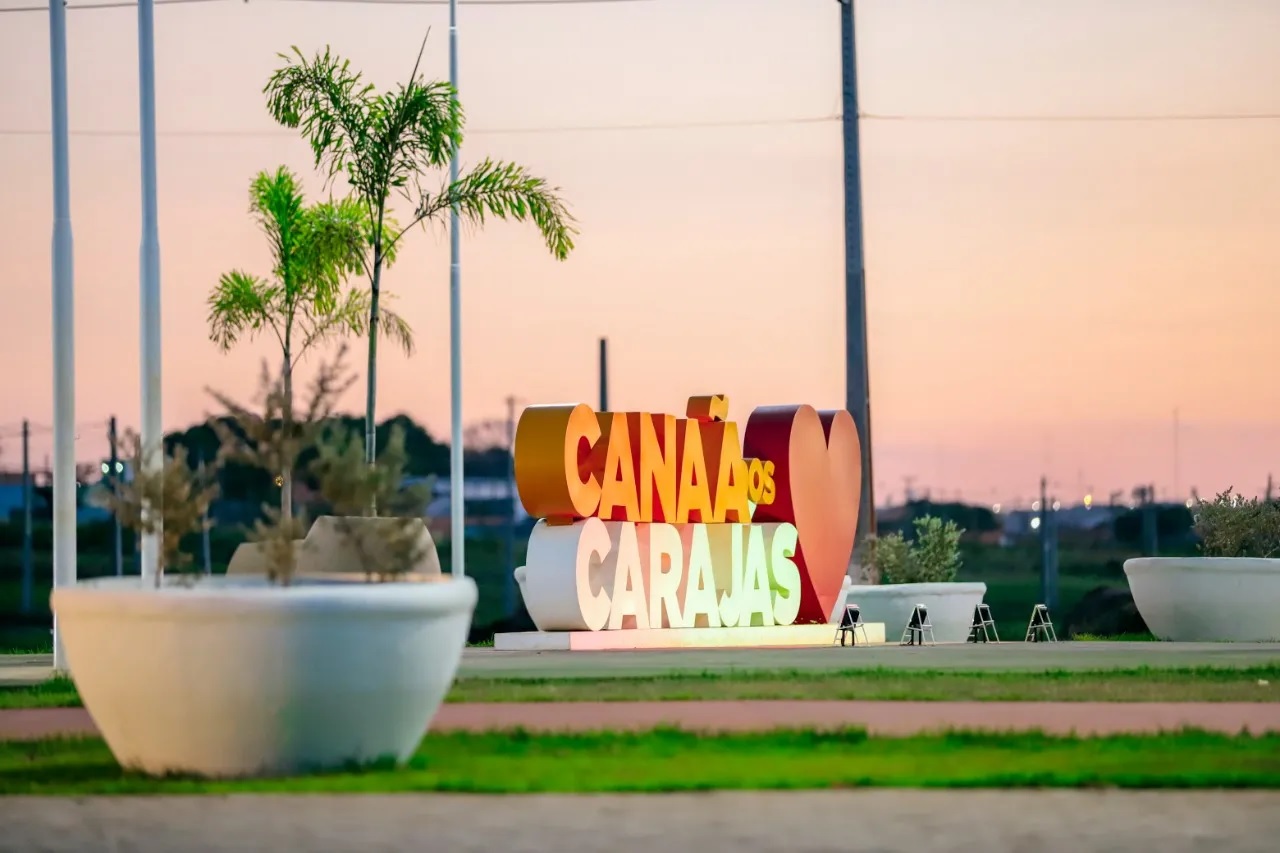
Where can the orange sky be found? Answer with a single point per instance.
(1042, 296)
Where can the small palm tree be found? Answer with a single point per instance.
(314, 248)
(382, 143)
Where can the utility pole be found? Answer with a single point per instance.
(857, 382)
(204, 530)
(1153, 510)
(114, 479)
(28, 559)
(1269, 486)
(1177, 473)
(509, 586)
(604, 375)
(1050, 591)
(1046, 542)
(457, 494)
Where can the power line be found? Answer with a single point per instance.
(490, 131)
(129, 4)
(691, 125)
(1082, 117)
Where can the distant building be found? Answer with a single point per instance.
(488, 506)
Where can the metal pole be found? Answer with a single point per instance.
(28, 557)
(152, 435)
(64, 357)
(1051, 585)
(857, 375)
(509, 588)
(114, 480)
(604, 374)
(204, 530)
(1046, 556)
(457, 507)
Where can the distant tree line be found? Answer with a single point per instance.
(427, 457)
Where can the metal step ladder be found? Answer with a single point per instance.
(983, 629)
(1040, 628)
(917, 626)
(850, 624)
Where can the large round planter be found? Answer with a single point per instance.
(950, 606)
(236, 677)
(1207, 599)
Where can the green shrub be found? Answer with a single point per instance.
(933, 556)
(1234, 526)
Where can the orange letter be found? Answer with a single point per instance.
(552, 449)
(730, 496)
(770, 487)
(694, 495)
(706, 409)
(618, 492)
(755, 480)
(658, 457)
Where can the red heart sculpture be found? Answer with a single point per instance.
(818, 471)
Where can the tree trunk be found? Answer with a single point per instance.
(370, 411)
(286, 473)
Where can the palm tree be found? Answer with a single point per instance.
(313, 249)
(383, 143)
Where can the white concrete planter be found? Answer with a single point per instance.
(950, 606)
(1207, 599)
(235, 677)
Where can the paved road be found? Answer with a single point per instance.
(1008, 657)
(766, 822)
(882, 718)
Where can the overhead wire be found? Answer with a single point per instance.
(129, 4)
(484, 131)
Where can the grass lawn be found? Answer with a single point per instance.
(1257, 684)
(668, 760)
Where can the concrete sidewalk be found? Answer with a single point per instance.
(745, 822)
(1004, 657)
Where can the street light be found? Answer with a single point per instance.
(64, 359)
(457, 511)
(149, 331)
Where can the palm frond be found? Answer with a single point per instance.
(351, 317)
(396, 328)
(330, 103)
(508, 191)
(240, 304)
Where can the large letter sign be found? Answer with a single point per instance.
(652, 521)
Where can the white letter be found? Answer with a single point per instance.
(755, 597)
(734, 595)
(568, 574)
(628, 583)
(665, 587)
(700, 607)
(784, 574)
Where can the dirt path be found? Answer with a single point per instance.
(891, 718)
(745, 822)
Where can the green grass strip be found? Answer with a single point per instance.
(1144, 684)
(671, 760)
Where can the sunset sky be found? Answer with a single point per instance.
(1043, 295)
